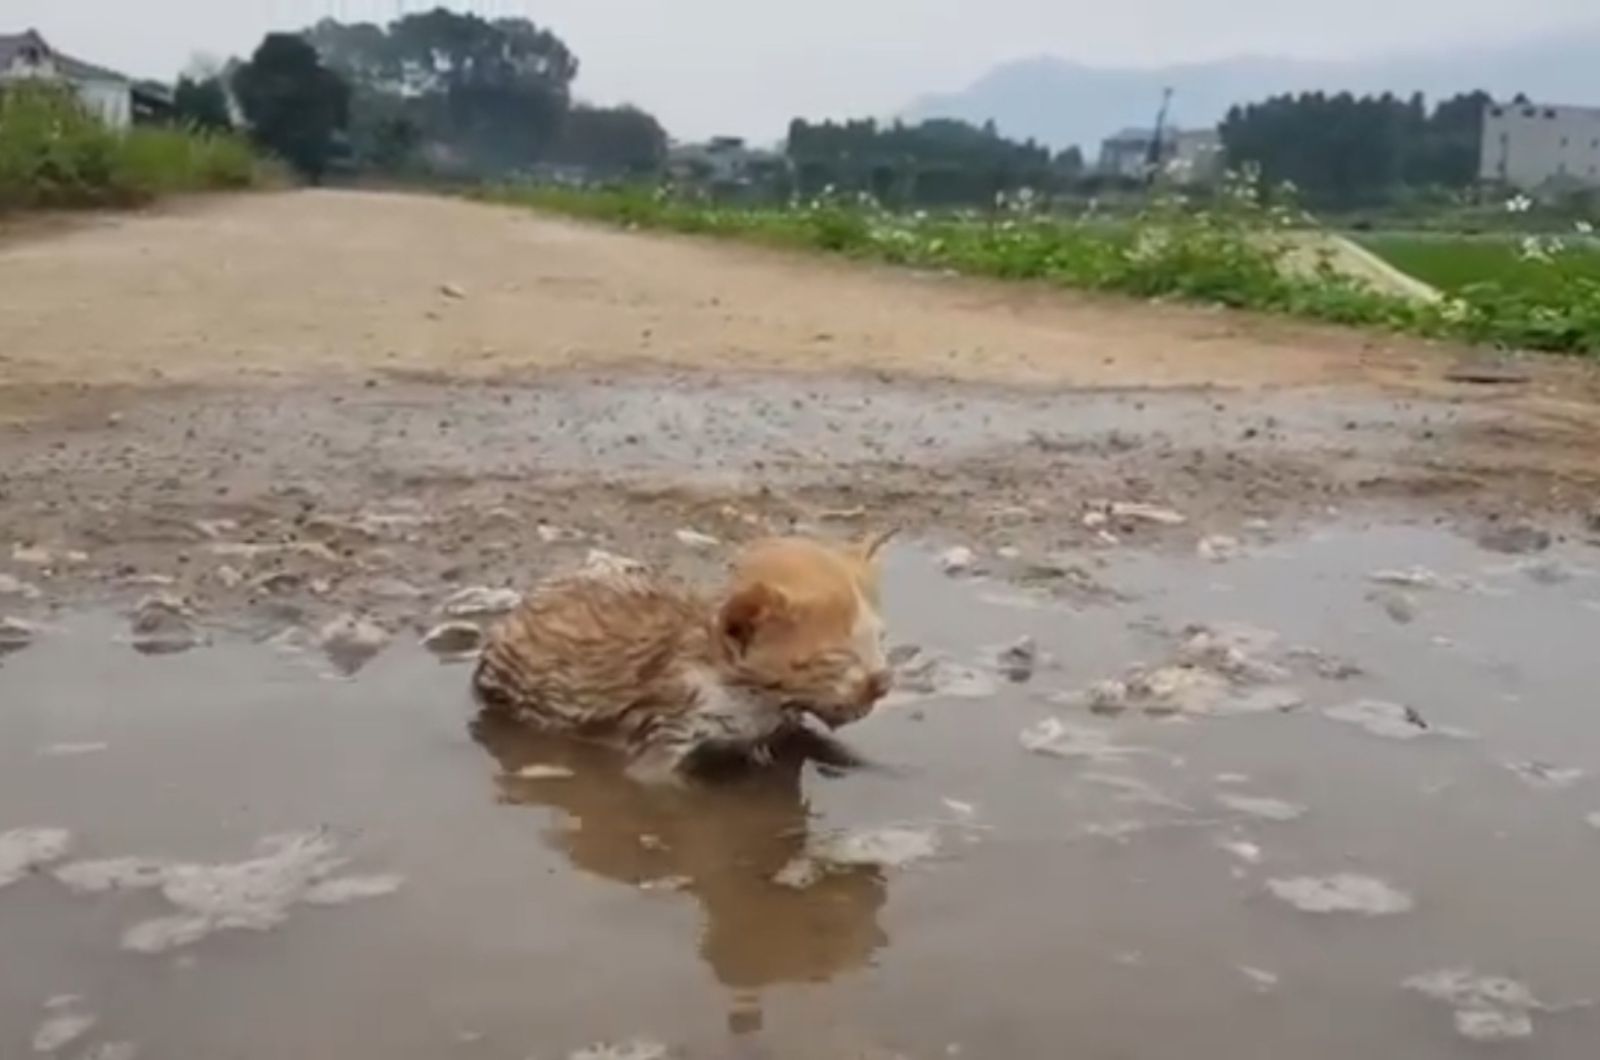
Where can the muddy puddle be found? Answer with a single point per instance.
(1317, 798)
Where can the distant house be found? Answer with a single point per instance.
(104, 93)
(723, 161)
(1197, 156)
(1537, 145)
(1127, 154)
(1188, 156)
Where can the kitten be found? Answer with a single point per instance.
(617, 653)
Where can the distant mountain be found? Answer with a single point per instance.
(1060, 102)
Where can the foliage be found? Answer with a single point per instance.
(615, 141)
(1343, 151)
(53, 154)
(296, 107)
(1455, 263)
(488, 96)
(1230, 253)
(202, 104)
(938, 162)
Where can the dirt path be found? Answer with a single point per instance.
(286, 363)
(314, 282)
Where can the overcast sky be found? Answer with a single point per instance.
(746, 66)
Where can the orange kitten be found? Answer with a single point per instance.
(617, 653)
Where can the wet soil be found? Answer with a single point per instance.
(240, 479)
(1017, 873)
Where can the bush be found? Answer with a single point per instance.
(53, 154)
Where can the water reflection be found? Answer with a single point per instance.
(722, 842)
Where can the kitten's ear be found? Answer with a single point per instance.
(869, 547)
(748, 609)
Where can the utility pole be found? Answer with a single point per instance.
(1157, 141)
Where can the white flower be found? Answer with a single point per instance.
(1533, 250)
(1519, 204)
(1585, 228)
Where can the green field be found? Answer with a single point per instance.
(1452, 263)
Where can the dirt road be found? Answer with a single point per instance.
(252, 449)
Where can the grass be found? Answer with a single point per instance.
(53, 155)
(1231, 253)
(1453, 263)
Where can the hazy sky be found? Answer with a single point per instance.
(746, 66)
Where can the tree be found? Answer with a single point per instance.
(202, 103)
(612, 140)
(491, 93)
(296, 107)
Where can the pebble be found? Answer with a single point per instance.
(544, 772)
(1218, 548)
(57, 1032)
(958, 560)
(162, 624)
(16, 634)
(1488, 1008)
(351, 641)
(1130, 511)
(1344, 892)
(1515, 539)
(480, 600)
(1400, 606)
(23, 850)
(452, 290)
(1545, 776)
(453, 639)
(695, 540)
(13, 586)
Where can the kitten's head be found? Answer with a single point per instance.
(800, 624)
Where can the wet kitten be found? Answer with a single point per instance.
(617, 653)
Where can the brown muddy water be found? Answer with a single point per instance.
(1351, 815)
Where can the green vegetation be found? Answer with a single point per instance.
(1454, 263)
(1231, 254)
(55, 155)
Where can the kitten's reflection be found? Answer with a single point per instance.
(722, 842)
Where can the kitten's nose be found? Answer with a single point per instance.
(877, 685)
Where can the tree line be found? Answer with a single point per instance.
(1344, 151)
(937, 162)
(440, 91)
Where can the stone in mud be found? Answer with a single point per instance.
(1345, 892)
(13, 587)
(163, 624)
(1545, 776)
(1488, 1008)
(1017, 660)
(1218, 548)
(556, 535)
(453, 639)
(958, 560)
(351, 641)
(31, 556)
(26, 850)
(481, 601)
(891, 847)
(256, 894)
(1514, 538)
(798, 874)
(16, 634)
(1407, 578)
(1400, 606)
(453, 290)
(1133, 512)
(1263, 807)
(61, 1030)
(543, 772)
(919, 674)
(696, 541)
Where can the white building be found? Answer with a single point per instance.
(1534, 145)
(104, 93)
